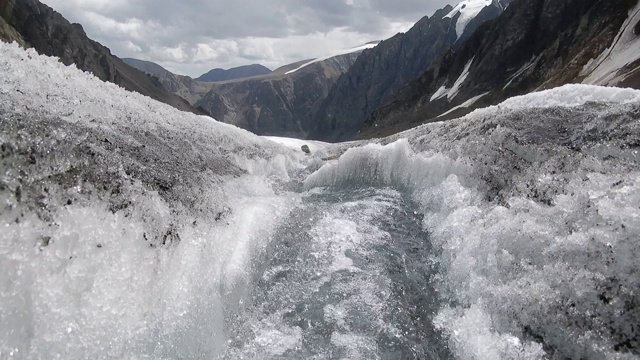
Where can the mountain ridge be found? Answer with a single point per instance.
(239, 72)
(534, 45)
(183, 86)
(279, 103)
(388, 67)
(37, 25)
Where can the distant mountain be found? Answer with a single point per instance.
(535, 44)
(240, 72)
(36, 25)
(392, 64)
(280, 103)
(183, 86)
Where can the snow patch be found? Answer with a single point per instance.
(468, 10)
(466, 104)
(605, 69)
(521, 71)
(442, 91)
(455, 89)
(296, 144)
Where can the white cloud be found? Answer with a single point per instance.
(133, 47)
(192, 37)
(133, 29)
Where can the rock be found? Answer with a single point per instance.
(183, 86)
(278, 104)
(381, 71)
(533, 45)
(305, 148)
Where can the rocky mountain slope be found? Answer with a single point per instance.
(280, 103)
(535, 44)
(36, 25)
(183, 86)
(234, 73)
(395, 62)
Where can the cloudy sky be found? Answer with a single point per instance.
(191, 37)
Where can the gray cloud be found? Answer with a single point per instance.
(194, 36)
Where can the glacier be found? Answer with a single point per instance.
(131, 230)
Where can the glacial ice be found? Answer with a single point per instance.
(536, 213)
(127, 227)
(133, 230)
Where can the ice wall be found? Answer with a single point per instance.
(534, 204)
(128, 228)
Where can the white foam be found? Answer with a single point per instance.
(356, 346)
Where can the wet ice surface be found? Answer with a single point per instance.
(348, 277)
(536, 214)
(130, 230)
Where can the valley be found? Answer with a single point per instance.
(467, 189)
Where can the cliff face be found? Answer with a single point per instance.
(7, 32)
(40, 27)
(381, 71)
(534, 44)
(279, 104)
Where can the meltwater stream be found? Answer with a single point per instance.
(347, 276)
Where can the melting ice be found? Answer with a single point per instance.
(133, 231)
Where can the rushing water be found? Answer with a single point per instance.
(349, 275)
